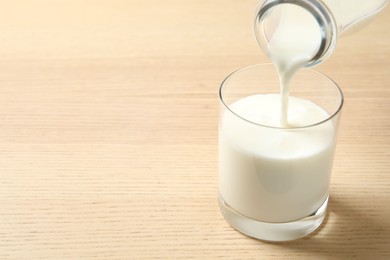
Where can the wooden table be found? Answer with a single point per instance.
(108, 133)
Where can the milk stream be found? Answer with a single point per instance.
(294, 42)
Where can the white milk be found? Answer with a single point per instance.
(270, 174)
(293, 43)
(278, 175)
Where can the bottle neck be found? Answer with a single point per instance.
(267, 21)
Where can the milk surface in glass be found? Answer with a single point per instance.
(275, 174)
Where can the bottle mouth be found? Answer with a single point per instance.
(321, 14)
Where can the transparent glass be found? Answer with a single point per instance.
(269, 189)
(334, 18)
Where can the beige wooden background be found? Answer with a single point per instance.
(108, 133)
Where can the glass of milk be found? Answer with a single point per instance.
(274, 176)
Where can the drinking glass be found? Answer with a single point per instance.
(274, 181)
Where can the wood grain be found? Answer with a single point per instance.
(108, 133)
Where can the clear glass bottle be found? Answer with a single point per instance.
(333, 17)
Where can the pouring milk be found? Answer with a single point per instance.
(276, 150)
(256, 178)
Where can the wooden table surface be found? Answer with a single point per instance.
(108, 133)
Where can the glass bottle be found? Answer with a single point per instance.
(333, 19)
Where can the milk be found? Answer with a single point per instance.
(278, 172)
(293, 44)
(272, 174)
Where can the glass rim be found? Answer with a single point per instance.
(331, 116)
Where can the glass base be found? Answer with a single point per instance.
(275, 232)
